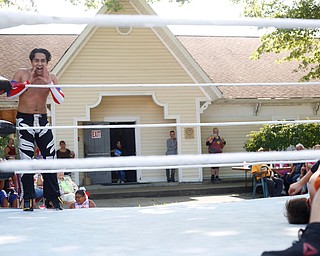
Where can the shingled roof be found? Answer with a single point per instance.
(15, 51)
(224, 59)
(227, 60)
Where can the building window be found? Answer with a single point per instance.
(124, 30)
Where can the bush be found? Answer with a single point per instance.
(277, 137)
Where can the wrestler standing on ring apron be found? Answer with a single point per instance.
(32, 112)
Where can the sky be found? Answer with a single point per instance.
(206, 8)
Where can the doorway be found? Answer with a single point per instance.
(128, 141)
(96, 144)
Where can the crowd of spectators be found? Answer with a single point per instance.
(11, 191)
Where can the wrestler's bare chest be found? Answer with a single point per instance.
(33, 101)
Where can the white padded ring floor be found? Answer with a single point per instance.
(246, 227)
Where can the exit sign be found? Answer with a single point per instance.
(96, 134)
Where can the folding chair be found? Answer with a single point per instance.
(259, 182)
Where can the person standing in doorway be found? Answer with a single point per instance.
(215, 145)
(171, 150)
(119, 151)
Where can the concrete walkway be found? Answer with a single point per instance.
(154, 201)
(164, 189)
(194, 227)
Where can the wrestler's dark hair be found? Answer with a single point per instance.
(40, 50)
(298, 211)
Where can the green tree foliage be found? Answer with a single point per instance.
(114, 5)
(300, 45)
(19, 4)
(280, 136)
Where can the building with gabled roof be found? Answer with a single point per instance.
(127, 55)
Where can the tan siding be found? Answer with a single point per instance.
(152, 139)
(237, 135)
(195, 71)
(140, 57)
(141, 106)
(113, 58)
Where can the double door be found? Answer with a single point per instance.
(100, 142)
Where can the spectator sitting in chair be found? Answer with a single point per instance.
(274, 184)
(38, 190)
(298, 209)
(297, 171)
(8, 194)
(6, 198)
(3, 196)
(309, 238)
(67, 188)
(12, 194)
(8, 189)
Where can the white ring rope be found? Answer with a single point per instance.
(152, 167)
(157, 162)
(223, 124)
(9, 19)
(12, 19)
(170, 85)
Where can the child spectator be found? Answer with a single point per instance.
(82, 200)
